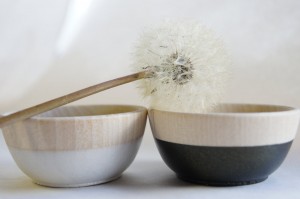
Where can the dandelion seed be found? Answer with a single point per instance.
(188, 66)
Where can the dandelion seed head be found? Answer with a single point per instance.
(188, 66)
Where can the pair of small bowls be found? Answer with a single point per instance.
(78, 146)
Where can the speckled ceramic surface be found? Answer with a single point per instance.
(223, 166)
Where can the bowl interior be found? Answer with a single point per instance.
(89, 110)
(249, 108)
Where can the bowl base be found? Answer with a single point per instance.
(221, 183)
(76, 185)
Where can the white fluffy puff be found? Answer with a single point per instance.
(188, 63)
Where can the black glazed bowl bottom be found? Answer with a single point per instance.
(222, 166)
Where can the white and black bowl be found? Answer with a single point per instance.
(237, 144)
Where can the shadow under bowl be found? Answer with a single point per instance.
(238, 144)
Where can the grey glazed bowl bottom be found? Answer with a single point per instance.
(222, 166)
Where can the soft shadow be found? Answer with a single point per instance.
(140, 177)
(23, 184)
(149, 175)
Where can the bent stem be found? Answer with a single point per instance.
(60, 101)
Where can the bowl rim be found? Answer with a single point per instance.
(288, 110)
(136, 109)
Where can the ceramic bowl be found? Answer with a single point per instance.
(237, 144)
(77, 145)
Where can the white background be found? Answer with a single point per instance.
(53, 47)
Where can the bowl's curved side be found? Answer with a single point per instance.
(76, 151)
(76, 168)
(222, 166)
(225, 129)
(75, 133)
(228, 148)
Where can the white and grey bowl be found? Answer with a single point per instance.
(77, 145)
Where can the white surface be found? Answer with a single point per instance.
(75, 168)
(81, 44)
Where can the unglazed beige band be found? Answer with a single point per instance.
(76, 133)
(226, 129)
